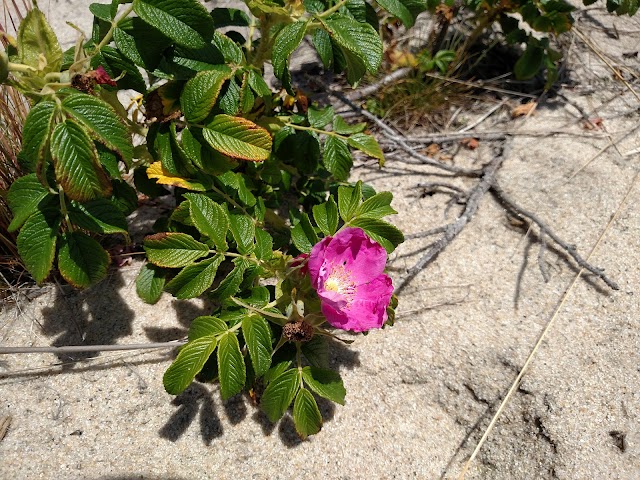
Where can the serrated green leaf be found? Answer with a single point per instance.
(337, 157)
(287, 40)
(188, 364)
(186, 22)
(382, 232)
(279, 394)
(36, 131)
(23, 197)
(229, 286)
(238, 138)
(194, 280)
(102, 123)
(257, 335)
(377, 206)
(303, 235)
(118, 65)
(229, 17)
(343, 128)
(324, 382)
(207, 325)
(319, 118)
(236, 181)
(322, 43)
(37, 241)
(367, 144)
(306, 415)
(258, 84)
(231, 52)
(201, 92)
(398, 10)
(243, 232)
(150, 283)
(209, 218)
(529, 62)
(348, 200)
(101, 11)
(316, 351)
(173, 249)
(264, 245)
(98, 216)
(202, 155)
(81, 260)
(358, 38)
(231, 367)
(124, 197)
(37, 41)
(78, 170)
(140, 42)
(109, 160)
(326, 216)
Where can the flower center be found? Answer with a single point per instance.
(339, 281)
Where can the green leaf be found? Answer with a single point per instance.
(322, 42)
(206, 325)
(186, 22)
(229, 286)
(78, 170)
(37, 242)
(319, 118)
(231, 367)
(109, 160)
(188, 364)
(102, 122)
(286, 41)
(337, 158)
(316, 351)
(377, 206)
(23, 197)
(264, 245)
(116, 64)
(348, 200)
(231, 52)
(367, 144)
(209, 218)
(150, 283)
(238, 138)
(257, 335)
(324, 382)
(36, 131)
(343, 128)
(194, 279)
(236, 181)
(98, 216)
(81, 260)
(229, 17)
(243, 231)
(358, 38)
(173, 249)
(279, 394)
(37, 41)
(201, 92)
(326, 216)
(140, 42)
(382, 232)
(529, 63)
(303, 235)
(397, 9)
(306, 415)
(202, 155)
(101, 11)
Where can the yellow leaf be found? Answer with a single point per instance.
(163, 177)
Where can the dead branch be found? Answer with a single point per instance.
(380, 84)
(452, 230)
(518, 211)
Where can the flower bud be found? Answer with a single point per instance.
(4, 66)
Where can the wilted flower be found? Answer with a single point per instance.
(346, 271)
(102, 77)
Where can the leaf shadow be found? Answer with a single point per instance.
(186, 311)
(96, 316)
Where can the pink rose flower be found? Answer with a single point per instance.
(346, 271)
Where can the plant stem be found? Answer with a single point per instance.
(258, 310)
(315, 130)
(333, 9)
(63, 209)
(114, 24)
(21, 68)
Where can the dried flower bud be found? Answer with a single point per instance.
(298, 331)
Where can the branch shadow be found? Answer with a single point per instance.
(186, 311)
(96, 316)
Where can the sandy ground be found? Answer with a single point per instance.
(420, 394)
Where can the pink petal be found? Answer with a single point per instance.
(360, 255)
(316, 260)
